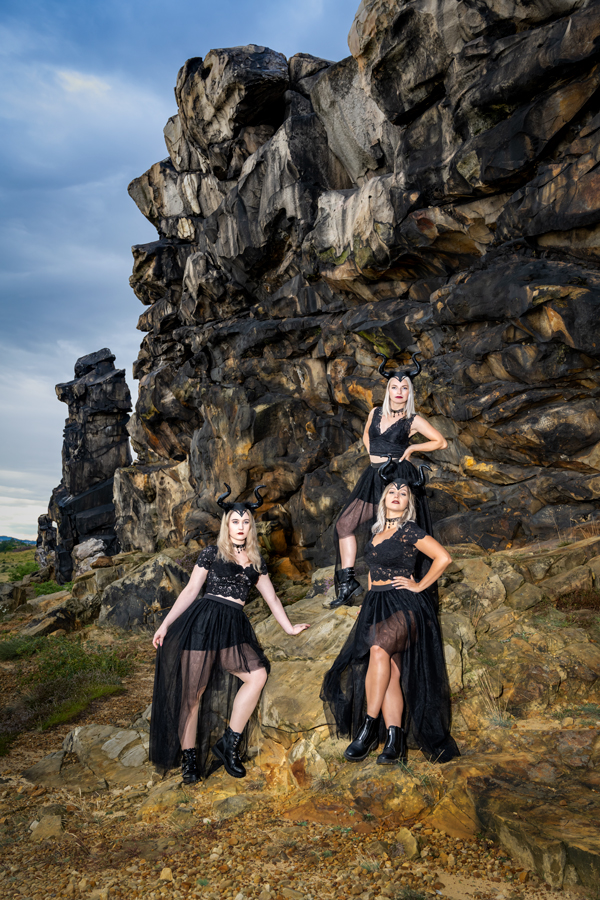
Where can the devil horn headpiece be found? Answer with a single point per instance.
(387, 477)
(399, 373)
(246, 506)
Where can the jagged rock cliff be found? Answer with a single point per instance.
(438, 191)
(95, 444)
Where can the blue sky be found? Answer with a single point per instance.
(85, 91)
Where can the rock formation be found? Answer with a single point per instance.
(436, 191)
(95, 444)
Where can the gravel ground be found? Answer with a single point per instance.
(105, 851)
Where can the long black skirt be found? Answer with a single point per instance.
(203, 649)
(405, 625)
(358, 515)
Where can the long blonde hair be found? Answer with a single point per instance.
(409, 409)
(225, 544)
(409, 514)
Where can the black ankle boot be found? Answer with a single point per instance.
(226, 749)
(189, 768)
(365, 741)
(395, 747)
(348, 587)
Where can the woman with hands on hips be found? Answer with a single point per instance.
(207, 646)
(389, 681)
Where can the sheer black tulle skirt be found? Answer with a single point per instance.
(202, 652)
(405, 625)
(358, 515)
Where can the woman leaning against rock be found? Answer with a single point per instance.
(206, 646)
(387, 434)
(393, 661)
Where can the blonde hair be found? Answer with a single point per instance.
(409, 409)
(225, 545)
(409, 514)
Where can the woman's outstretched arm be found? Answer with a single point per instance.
(267, 590)
(185, 599)
(440, 558)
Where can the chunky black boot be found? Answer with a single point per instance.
(365, 741)
(189, 769)
(395, 747)
(348, 587)
(226, 749)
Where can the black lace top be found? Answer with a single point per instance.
(394, 439)
(227, 579)
(396, 555)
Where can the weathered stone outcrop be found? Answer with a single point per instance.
(434, 192)
(96, 443)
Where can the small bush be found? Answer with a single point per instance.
(6, 741)
(16, 573)
(579, 599)
(20, 647)
(50, 587)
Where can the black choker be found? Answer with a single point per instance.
(390, 522)
(239, 548)
(397, 412)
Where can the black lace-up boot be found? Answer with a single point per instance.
(189, 768)
(395, 747)
(227, 750)
(348, 587)
(365, 741)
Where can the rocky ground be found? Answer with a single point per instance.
(84, 815)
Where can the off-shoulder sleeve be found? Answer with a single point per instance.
(413, 533)
(207, 557)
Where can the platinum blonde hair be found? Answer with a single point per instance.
(225, 544)
(409, 514)
(409, 409)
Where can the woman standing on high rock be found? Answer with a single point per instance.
(387, 434)
(207, 646)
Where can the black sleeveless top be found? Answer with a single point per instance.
(396, 555)
(227, 579)
(394, 439)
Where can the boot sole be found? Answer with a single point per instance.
(360, 758)
(391, 762)
(229, 771)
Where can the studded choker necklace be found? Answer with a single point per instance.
(393, 521)
(239, 548)
(397, 413)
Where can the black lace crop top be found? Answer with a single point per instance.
(394, 439)
(227, 579)
(395, 555)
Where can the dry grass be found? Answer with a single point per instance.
(494, 703)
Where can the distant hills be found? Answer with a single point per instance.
(13, 543)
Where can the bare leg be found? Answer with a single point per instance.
(347, 551)
(393, 701)
(246, 698)
(188, 741)
(377, 680)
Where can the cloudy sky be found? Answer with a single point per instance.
(85, 90)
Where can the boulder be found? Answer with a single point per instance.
(141, 598)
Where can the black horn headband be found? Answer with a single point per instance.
(240, 507)
(399, 373)
(387, 478)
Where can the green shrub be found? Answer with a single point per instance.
(50, 587)
(19, 647)
(16, 573)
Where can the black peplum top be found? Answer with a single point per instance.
(227, 579)
(396, 555)
(394, 440)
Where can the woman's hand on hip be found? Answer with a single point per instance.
(407, 454)
(406, 584)
(160, 635)
(297, 629)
